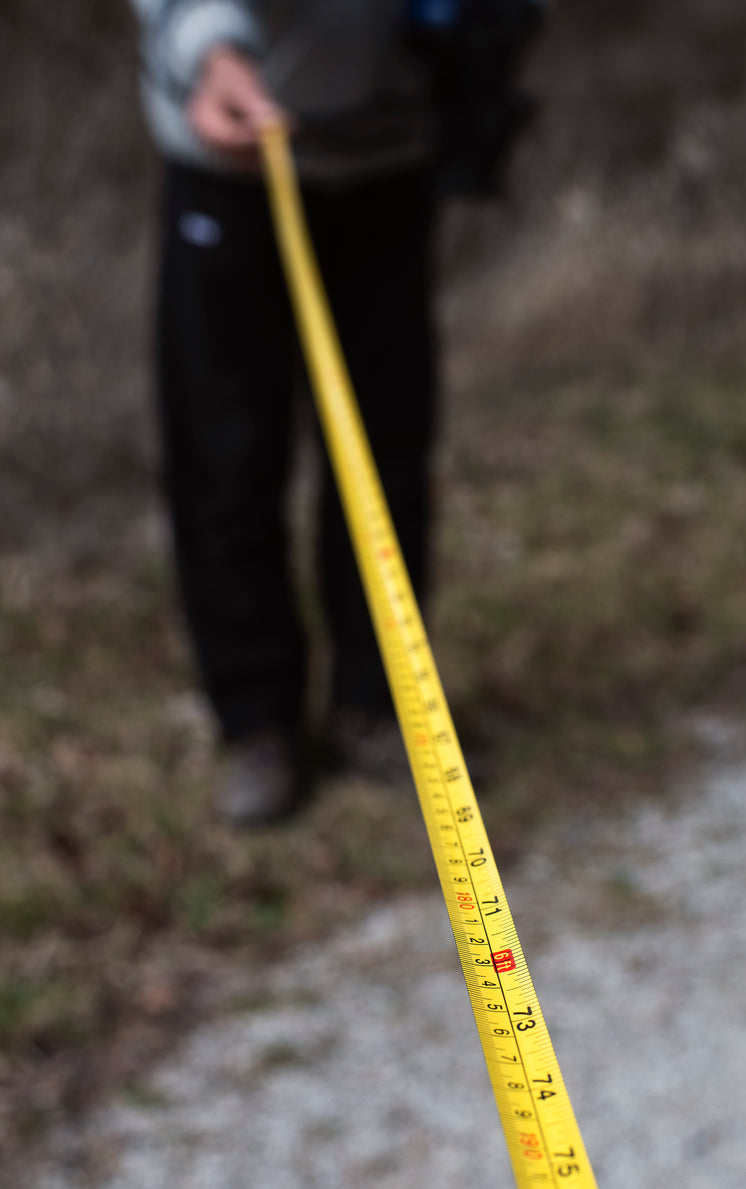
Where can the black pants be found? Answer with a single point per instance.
(228, 362)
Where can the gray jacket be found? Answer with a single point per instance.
(338, 65)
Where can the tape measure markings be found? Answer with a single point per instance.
(544, 1143)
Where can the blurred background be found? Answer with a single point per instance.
(592, 492)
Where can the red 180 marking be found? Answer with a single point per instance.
(465, 901)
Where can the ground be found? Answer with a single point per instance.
(357, 1063)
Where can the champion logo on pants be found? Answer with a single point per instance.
(199, 229)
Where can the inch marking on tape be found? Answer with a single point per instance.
(543, 1139)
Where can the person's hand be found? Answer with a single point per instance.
(231, 105)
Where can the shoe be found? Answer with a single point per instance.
(261, 781)
(370, 743)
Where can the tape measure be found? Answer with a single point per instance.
(543, 1139)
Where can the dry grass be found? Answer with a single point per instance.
(590, 595)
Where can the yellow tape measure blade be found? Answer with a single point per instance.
(542, 1135)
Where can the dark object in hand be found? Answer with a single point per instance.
(473, 60)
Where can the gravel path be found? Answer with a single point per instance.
(357, 1065)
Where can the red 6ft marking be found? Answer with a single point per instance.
(503, 961)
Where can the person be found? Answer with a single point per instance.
(344, 76)
(336, 72)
